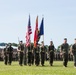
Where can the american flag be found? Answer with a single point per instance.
(29, 26)
(29, 31)
(27, 39)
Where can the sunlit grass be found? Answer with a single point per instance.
(57, 69)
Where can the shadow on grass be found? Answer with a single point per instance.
(50, 66)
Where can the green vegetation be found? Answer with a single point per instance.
(57, 69)
(13, 44)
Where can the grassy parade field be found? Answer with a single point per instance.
(57, 69)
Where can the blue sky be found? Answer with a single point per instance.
(59, 19)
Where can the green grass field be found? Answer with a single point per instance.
(57, 69)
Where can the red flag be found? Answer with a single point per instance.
(29, 32)
(36, 33)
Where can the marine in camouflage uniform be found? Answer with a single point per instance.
(21, 52)
(43, 51)
(37, 56)
(30, 48)
(32, 60)
(6, 55)
(51, 53)
(64, 51)
(25, 55)
(74, 52)
(10, 53)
